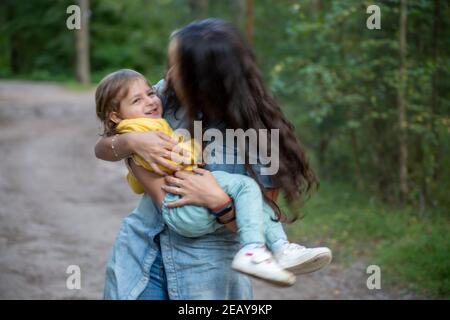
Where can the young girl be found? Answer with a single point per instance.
(125, 102)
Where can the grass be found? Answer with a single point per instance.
(412, 252)
(68, 82)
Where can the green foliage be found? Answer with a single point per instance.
(34, 41)
(411, 251)
(133, 34)
(419, 257)
(339, 81)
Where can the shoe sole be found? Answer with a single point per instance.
(314, 264)
(272, 282)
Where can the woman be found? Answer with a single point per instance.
(213, 74)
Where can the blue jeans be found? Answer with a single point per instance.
(157, 284)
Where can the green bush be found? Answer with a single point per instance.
(412, 251)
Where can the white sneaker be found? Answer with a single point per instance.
(258, 262)
(299, 260)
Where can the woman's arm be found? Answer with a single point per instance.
(232, 226)
(154, 187)
(153, 146)
(272, 193)
(192, 189)
(191, 186)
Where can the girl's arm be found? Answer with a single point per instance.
(153, 146)
(150, 181)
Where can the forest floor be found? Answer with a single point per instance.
(61, 206)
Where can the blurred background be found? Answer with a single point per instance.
(372, 108)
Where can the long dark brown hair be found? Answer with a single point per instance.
(220, 79)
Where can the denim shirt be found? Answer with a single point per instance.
(196, 268)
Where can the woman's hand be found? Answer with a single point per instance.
(154, 147)
(198, 188)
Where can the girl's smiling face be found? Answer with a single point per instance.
(141, 101)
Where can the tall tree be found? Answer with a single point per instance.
(237, 9)
(82, 45)
(435, 80)
(316, 7)
(249, 20)
(8, 14)
(401, 103)
(199, 8)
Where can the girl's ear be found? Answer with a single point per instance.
(115, 117)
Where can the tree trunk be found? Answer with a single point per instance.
(82, 45)
(249, 21)
(401, 105)
(199, 8)
(14, 59)
(356, 157)
(378, 155)
(323, 144)
(423, 190)
(237, 9)
(434, 85)
(316, 8)
(435, 50)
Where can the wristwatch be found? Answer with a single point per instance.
(224, 210)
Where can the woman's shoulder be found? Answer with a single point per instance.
(159, 86)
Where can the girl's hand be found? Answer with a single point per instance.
(156, 149)
(198, 188)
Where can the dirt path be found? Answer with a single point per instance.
(60, 206)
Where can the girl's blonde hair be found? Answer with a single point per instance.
(110, 91)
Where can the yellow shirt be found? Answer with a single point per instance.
(161, 125)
